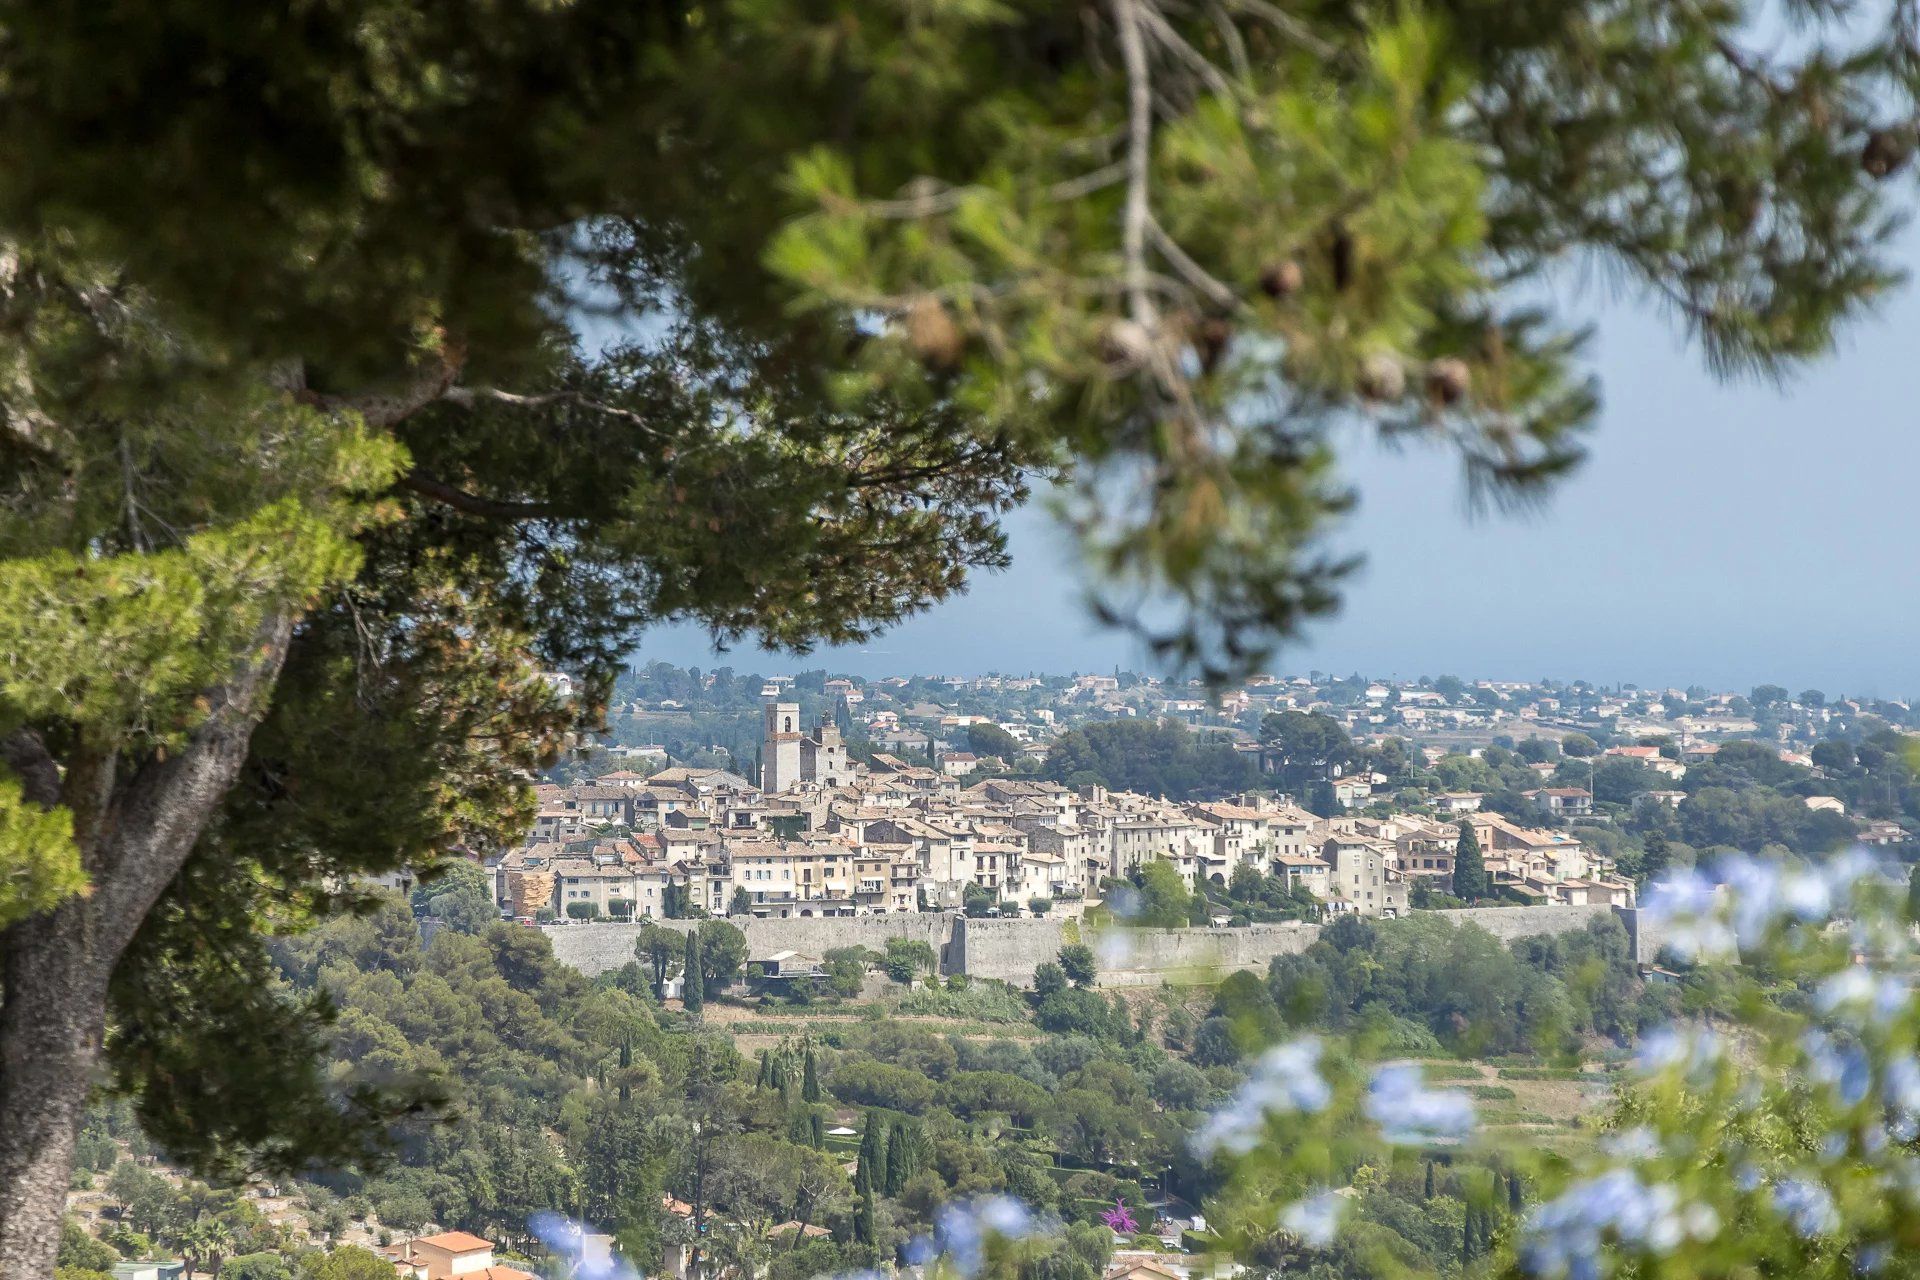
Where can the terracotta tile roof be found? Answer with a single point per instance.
(456, 1241)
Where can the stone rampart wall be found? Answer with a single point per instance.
(1010, 950)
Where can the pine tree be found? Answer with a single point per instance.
(810, 1084)
(1469, 869)
(693, 997)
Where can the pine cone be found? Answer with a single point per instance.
(1887, 150)
(1448, 380)
(1125, 345)
(933, 335)
(1212, 338)
(1281, 279)
(1382, 377)
(1341, 257)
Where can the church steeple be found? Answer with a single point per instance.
(780, 748)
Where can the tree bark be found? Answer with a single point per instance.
(136, 829)
(50, 1027)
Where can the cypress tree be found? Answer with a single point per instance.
(873, 1151)
(864, 1229)
(1428, 1193)
(1513, 1192)
(810, 1082)
(692, 998)
(898, 1159)
(817, 1126)
(1469, 868)
(1913, 894)
(779, 1074)
(626, 1069)
(765, 1077)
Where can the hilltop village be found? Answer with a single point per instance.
(717, 1097)
(1300, 798)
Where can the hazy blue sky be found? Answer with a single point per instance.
(1721, 534)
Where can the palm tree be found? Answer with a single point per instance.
(190, 1241)
(216, 1237)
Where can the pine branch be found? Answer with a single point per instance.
(1172, 41)
(25, 753)
(931, 199)
(427, 486)
(1133, 53)
(1196, 275)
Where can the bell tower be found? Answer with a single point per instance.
(780, 748)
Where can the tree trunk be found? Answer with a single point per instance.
(50, 1029)
(135, 829)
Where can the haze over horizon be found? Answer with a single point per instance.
(1720, 533)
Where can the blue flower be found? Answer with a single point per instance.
(961, 1230)
(567, 1238)
(1696, 1051)
(1900, 1087)
(1315, 1220)
(1845, 870)
(1565, 1235)
(1288, 1077)
(1285, 1080)
(1805, 896)
(1679, 894)
(1806, 1205)
(1852, 985)
(1754, 896)
(1857, 995)
(1684, 905)
(1124, 901)
(1843, 1067)
(1637, 1143)
(1004, 1216)
(1409, 1113)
